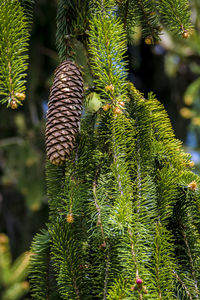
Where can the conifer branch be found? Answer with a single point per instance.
(133, 253)
(148, 12)
(14, 36)
(72, 23)
(98, 208)
(190, 260)
(39, 266)
(157, 250)
(163, 262)
(28, 9)
(65, 251)
(135, 261)
(47, 276)
(139, 178)
(62, 32)
(176, 15)
(107, 46)
(126, 14)
(131, 194)
(183, 285)
(76, 286)
(117, 168)
(55, 180)
(106, 275)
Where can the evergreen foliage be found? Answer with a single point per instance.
(179, 21)
(28, 9)
(151, 15)
(62, 28)
(146, 13)
(14, 36)
(72, 22)
(66, 256)
(124, 210)
(107, 56)
(40, 265)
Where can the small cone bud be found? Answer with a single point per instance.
(145, 290)
(20, 96)
(192, 185)
(13, 104)
(109, 88)
(185, 34)
(121, 103)
(70, 218)
(117, 111)
(139, 281)
(191, 164)
(106, 107)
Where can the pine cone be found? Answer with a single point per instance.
(64, 112)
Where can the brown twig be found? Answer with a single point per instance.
(10, 81)
(190, 260)
(183, 285)
(48, 275)
(118, 176)
(106, 276)
(99, 222)
(133, 252)
(134, 259)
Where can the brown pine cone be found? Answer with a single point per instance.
(64, 112)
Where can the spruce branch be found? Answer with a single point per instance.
(72, 24)
(126, 6)
(149, 20)
(116, 161)
(163, 262)
(28, 9)
(183, 285)
(133, 253)
(106, 280)
(139, 175)
(62, 33)
(123, 145)
(14, 36)
(135, 261)
(55, 180)
(65, 252)
(176, 15)
(98, 208)
(191, 263)
(39, 266)
(107, 46)
(131, 16)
